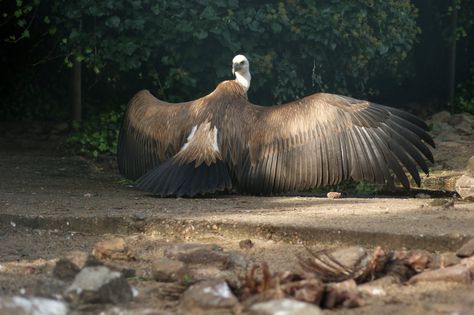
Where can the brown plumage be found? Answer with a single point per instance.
(223, 141)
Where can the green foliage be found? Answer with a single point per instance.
(19, 16)
(464, 101)
(98, 135)
(184, 47)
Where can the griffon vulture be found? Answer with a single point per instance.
(222, 142)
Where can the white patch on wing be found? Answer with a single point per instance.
(190, 137)
(214, 144)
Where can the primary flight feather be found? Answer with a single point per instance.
(222, 142)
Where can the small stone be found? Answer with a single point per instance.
(465, 187)
(139, 216)
(467, 250)
(115, 249)
(99, 284)
(198, 254)
(284, 307)
(246, 244)
(213, 294)
(444, 260)
(334, 195)
(65, 269)
(458, 273)
(237, 260)
(19, 305)
(78, 258)
(168, 270)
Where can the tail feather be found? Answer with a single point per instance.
(173, 178)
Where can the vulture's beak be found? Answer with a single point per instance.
(236, 67)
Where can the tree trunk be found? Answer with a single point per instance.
(77, 91)
(452, 58)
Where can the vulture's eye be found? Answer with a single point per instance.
(242, 62)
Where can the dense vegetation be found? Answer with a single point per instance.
(181, 49)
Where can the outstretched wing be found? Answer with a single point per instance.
(324, 139)
(152, 131)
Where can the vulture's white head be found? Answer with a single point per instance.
(241, 69)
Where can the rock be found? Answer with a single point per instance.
(168, 270)
(284, 307)
(47, 288)
(470, 166)
(334, 195)
(213, 294)
(465, 187)
(458, 273)
(353, 257)
(115, 249)
(467, 250)
(198, 254)
(469, 263)
(197, 273)
(79, 258)
(441, 117)
(236, 260)
(444, 260)
(65, 269)
(19, 305)
(246, 244)
(99, 284)
(379, 287)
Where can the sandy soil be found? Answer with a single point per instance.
(51, 203)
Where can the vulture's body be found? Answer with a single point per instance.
(222, 142)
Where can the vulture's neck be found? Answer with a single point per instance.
(243, 79)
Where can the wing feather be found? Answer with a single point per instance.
(152, 131)
(324, 139)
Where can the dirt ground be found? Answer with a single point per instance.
(52, 203)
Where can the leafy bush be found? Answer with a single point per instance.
(464, 101)
(184, 47)
(98, 135)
